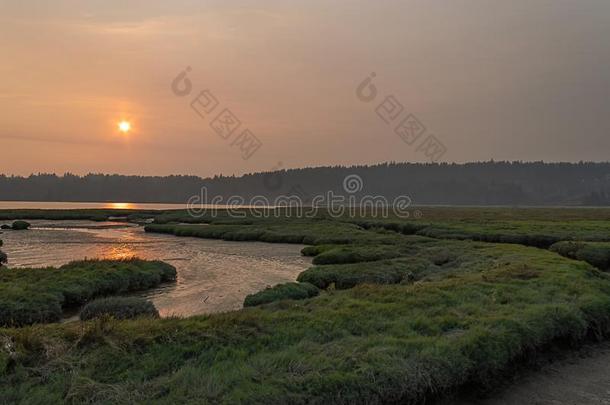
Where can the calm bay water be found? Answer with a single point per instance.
(213, 275)
(12, 205)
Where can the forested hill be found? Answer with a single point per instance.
(484, 183)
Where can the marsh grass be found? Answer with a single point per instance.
(3, 256)
(81, 214)
(350, 275)
(285, 231)
(20, 225)
(356, 254)
(594, 253)
(432, 316)
(368, 344)
(118, 308)
(286, 291)
(540, 234)
(40, 295)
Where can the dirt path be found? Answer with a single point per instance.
(581, 378)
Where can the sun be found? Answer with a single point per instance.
(124, 126)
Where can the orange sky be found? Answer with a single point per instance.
(504, 80)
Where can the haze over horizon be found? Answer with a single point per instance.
(527, 80)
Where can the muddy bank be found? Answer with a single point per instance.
(577, 378)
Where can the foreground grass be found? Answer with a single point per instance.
(36, 295)
(411, 310)
(368, 344)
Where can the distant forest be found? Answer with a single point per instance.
(480, 183)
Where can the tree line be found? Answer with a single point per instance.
(477, 183)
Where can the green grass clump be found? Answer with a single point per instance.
(275, 231)
(287, 291)
(594, 253)
(20, 225)
(118, 308)
(315, 250)
(356, 254)
(38, 295)
(350, 275)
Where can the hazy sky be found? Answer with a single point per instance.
(525, 79)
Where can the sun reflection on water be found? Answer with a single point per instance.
(121, 252)
(119, 206)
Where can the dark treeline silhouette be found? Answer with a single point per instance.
(479, 183)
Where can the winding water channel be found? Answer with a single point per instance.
(213, 275)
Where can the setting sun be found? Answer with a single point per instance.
(124, 126)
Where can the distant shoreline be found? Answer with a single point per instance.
(117, 205)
